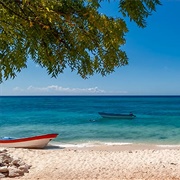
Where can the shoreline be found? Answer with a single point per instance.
(112, 146)
(102, 162)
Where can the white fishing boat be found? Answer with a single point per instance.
(34, 142)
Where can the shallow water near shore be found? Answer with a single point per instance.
(76, 118)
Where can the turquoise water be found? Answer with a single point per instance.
(76, 118)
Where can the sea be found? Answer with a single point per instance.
(76, 119)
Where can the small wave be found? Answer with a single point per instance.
(90, 144)
(117, 144)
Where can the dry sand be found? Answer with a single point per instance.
(137, 162)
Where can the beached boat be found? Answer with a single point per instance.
(117, 116)
(34, 142)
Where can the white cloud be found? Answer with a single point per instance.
(59, 90)
(18, 89)
(54, 89)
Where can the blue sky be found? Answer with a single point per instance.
(154, 63)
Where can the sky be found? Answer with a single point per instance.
(153, 69)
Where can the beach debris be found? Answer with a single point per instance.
(173, 163)
(11, 167)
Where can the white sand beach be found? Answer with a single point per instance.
(108, 162)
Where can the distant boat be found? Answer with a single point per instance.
(117, 116)
(34, 142)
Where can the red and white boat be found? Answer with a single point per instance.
(28, 142)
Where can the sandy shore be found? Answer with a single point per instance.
(137, 162)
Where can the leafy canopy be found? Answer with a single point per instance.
(66, 33)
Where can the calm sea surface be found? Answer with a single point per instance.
(76, 118)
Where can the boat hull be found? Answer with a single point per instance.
(34, 142)
(117, 116)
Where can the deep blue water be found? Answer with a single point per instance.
(157, 121)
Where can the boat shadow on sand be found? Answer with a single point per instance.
(52, 146)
